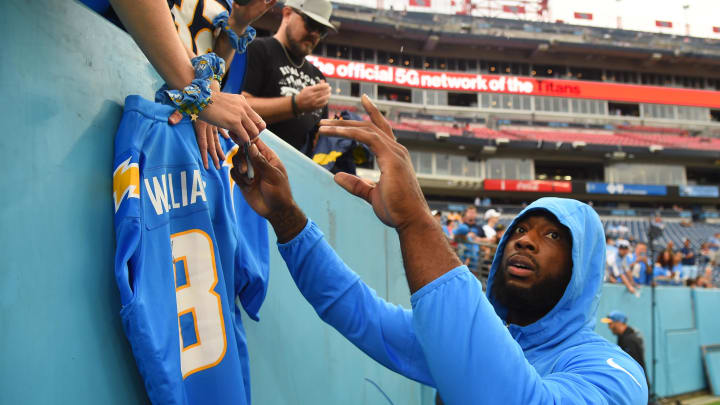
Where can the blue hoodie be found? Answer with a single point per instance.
(455, 338)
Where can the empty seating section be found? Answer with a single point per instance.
(674, 231)
(623, 135)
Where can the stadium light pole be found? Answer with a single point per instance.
(619, 17)
(655, 232)
(686, 7)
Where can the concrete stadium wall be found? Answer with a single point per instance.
(686, 319)
(65, 75)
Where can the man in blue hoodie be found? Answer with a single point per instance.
(530, 341)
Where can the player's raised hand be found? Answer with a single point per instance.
(268, 192)
(396, 198)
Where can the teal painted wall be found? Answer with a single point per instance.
(65, 75)
(686, 319)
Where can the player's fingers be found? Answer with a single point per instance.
(262, 166)
(224, 133)
(360, 134)
(376, 117)
(354, 185)
(343, 123)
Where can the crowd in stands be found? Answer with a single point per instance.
(516, 130)
(474, 236)
(629, 261)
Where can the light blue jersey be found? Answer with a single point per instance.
(187, 245)
(455, 338)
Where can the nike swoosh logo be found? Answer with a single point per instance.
(614, 365)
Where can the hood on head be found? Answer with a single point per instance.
(576, 309)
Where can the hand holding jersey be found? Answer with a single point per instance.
(151, 25)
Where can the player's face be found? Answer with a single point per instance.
(536, 265)
(302, 34)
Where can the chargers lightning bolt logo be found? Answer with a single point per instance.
(126, 182)
(229, 164)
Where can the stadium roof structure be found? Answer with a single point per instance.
(532, 35)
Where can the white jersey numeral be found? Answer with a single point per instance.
(199, 307)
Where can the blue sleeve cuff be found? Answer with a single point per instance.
(433, 285)
(309, 232)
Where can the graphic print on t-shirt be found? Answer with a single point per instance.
(292, 81)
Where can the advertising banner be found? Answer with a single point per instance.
(699, 191)
(625, 189)
(533, 186)
(483, 83)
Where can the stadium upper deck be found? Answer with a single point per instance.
(517, 109)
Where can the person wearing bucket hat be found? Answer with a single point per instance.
(289, 92)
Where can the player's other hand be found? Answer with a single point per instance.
(313, 97)
(396, 198)
(268, 193)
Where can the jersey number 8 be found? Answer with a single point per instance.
(199, 307)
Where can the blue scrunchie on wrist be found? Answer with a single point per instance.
(196, 96)
(239, 43)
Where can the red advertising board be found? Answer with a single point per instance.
(583, 16)
(482, 83)
(532, 186)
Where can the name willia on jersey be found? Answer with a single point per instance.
(170, 191)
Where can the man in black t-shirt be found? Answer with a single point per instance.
(288, 92)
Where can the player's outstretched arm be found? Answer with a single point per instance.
(396, 198)
(380, 329)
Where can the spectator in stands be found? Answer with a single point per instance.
(640, 265)
(468, 230)
(677, 267)
(715, 270)
(627, 338)
(529, 341)
(499, 232)
(704, 258)
(714, 242)
(664, 265)
(151, 26)
(289, 92)
(688, 261)
(610, 257)
(468, 235)
(621, 271)
(439, 218)
(491, 218)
